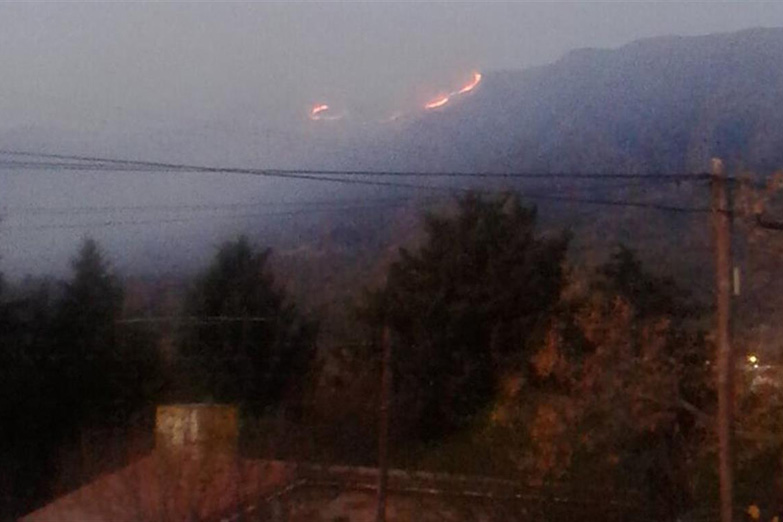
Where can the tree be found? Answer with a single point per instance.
(622, 390)
(29, 400)
(246, 344)
(60, 365)
(86, 337)
(463, 308)
(66, 370)
(109, 371)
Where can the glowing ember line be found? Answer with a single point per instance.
(439, 102)
(318, 109)
(472, 85)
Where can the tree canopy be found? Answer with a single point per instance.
(246, 343)
(621, 389)
(463, 307)
(86, 343)
(67, 367)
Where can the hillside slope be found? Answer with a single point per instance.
(664, 104)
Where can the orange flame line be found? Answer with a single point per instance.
(472, 85)
(439, 102)
(314, 113)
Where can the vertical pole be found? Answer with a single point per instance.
(383, 435)
(725, 359)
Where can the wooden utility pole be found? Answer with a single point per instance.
(383, 425)
(721, 220)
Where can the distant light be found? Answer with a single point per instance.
(752, 359)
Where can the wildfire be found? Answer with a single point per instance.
(445, 98)
(437, 102)
(323, 112)
(315, 113)
(472, 85)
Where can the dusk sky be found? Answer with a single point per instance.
(147, 64)
(232, 83)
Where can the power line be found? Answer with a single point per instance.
(326, 204)
(103, 163)
(533, 197)
(612, 181)
(334, 176)
(146, 166)
(135, 222)
(316, 205)
(622, 203)
(141, 222)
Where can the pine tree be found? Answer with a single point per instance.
(248, 345)
(87, 349)
(463, 307)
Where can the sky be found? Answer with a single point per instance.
(154, 80)
(150, 65)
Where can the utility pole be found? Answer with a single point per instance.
(721, 221)
(383, 435)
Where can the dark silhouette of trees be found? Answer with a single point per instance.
(28, 398)
(463, 308)
(244, 342)
(65, 368)
(107, 371)
(651, 295)
(664, 445)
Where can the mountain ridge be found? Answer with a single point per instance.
(663, 104)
